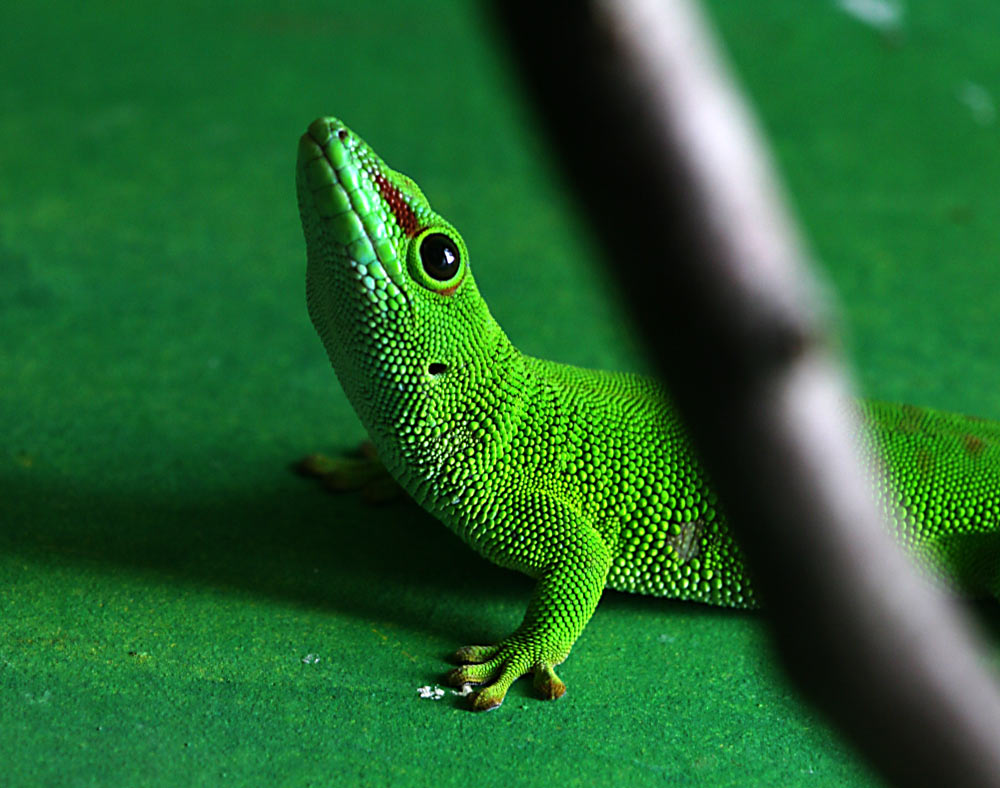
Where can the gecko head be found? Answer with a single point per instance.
(388, 283)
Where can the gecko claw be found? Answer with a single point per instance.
(497, 668)
(487, 699)
(547, 684)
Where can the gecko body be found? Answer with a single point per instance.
(582, 479)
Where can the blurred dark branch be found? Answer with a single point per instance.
(665, 159)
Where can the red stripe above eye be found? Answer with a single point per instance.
(405, 217)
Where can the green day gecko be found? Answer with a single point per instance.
(581, 479)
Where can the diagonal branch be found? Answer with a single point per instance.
(664, 157)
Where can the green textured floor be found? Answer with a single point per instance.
(163, 577)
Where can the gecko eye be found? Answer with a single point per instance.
(437, 259)
(439, 256)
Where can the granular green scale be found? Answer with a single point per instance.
(579, 478)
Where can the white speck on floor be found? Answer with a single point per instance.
(432, 693)
(883, 15)
(979, 101)
(310, 659)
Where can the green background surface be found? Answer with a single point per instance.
(163, 575)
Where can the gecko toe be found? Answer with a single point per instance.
(364, 473)
(482, 673)
(473, 655)
(547, 684)
(488, 698)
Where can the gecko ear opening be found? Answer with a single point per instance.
(437, 369)
(437, 259)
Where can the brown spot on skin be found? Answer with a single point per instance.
(925, 462)
(910, 421)
(687, 544)
(401, 210)
(973, 445)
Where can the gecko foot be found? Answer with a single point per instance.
(497, 667)
(364, 473)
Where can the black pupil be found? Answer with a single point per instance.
(439, 255)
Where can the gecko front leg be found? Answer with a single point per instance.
(571, 561)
